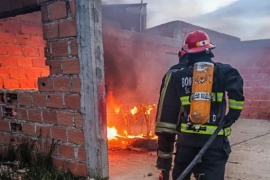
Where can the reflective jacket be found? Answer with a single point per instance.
(166, 129)
(174, 104)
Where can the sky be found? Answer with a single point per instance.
(246, 19)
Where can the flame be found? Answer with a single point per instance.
(112, 133)
(134, 110)
(117, 109)
(148, 111)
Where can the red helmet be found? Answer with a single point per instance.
(197, 41)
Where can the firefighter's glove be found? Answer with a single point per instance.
(164, 163)
(228, 121)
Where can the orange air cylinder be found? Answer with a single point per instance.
(202, 83)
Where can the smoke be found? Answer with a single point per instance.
(232, 17)
(120, 70)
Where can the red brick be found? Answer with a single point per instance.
(74, 47)
(17, 73)
(67, 28)
(12, 26)
(41, 52)
(71, 66)
(31, 29)
(55, 100)
(59, 48)
(45, 84)
(65, 118)
(66, 151)
(21, 114)
(11, 83)
(34, 73)
(265, 103)
(4, 126)
(78, 169)
(49, 116)
(72, 101)
(39, 62)
(44, 13)
(50, 31)
(4, 72)
(43, 131)
(55, 66)
(75, 136)
(58, 10)
(81, 154)
(31, 51)
(3, 49)
(59, 133)
(14, 50)
(72, 8)
(45, 72)
(7, 38)
(25, 62)
(29, 129)
(38, 41)
(39, 100)
(34, 115)
(60, 164)
(9, 61)
(75, 84)
(25, 99)
(61, 84)
(78, 120)
(28, 84)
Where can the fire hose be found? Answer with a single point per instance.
(202, 151)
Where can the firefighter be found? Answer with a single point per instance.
(174, 108)
(166, 129)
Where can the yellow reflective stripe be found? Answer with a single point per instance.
(185, 100)
(162, 95)
(233, 104)
(165, 155)
(165, 127)
(209, 130)
(217, 96)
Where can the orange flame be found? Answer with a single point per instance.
(111, 133)
(134, 110)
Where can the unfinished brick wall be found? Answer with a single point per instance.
(251, 58)
(52, 109)
(22, 52)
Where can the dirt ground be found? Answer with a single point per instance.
(249, 160)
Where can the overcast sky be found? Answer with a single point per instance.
(246, 19)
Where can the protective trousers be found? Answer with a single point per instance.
(211, 167)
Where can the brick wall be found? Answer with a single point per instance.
(252, 59)
(22, 52)
(51, 109)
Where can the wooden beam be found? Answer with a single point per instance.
(93, 107)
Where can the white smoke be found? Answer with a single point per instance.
(246, 19)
